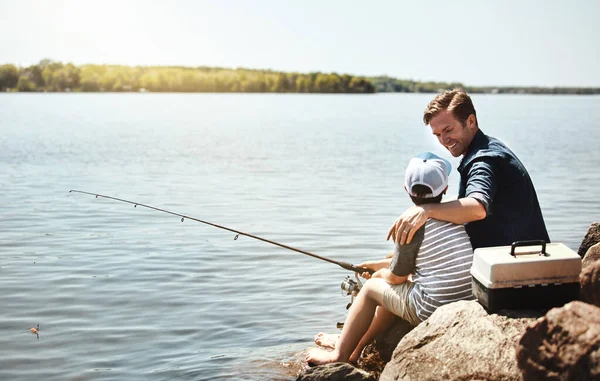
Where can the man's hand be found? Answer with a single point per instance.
(405, 227)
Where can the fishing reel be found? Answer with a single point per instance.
(351, 287)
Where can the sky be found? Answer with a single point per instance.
(478, 43)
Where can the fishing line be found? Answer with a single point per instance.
(184, 217)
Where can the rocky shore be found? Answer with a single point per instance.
(462, 341)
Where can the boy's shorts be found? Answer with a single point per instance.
(396, 299)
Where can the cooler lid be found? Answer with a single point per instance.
(533, 263)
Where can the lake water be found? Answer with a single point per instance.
(123, 293)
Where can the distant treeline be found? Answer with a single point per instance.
(51, 76)
(386, 84)
(55, 76)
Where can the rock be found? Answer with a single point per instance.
(338, 371)
(461, 341)
(564, 345)
(592, 255)
(590, 282)
(591, 238)
(590, 276)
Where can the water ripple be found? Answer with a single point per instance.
(123, 293)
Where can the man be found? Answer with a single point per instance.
(439, 259)
(496, 198)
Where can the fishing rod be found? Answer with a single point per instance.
(344, 265)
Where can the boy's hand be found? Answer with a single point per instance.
(405, 227)
(366, 265)
(376, 274)
(367, 275)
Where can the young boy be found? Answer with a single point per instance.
(439, 258)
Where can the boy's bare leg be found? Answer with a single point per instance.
(357, 323)
(382, 320)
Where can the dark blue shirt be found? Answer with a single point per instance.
(492, 174)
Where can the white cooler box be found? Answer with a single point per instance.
(522, 276)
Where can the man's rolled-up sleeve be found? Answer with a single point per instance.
(481, 183)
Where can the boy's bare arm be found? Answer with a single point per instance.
(376, 265)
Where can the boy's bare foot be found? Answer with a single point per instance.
(317, 356)
(326, 340)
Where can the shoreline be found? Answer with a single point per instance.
(55, 76)
(290, 93)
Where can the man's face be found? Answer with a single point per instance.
(451, 133)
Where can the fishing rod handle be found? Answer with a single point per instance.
(356, 269)
(361, 270)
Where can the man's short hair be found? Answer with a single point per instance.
(457, 101)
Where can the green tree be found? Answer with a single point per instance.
(302, 84)
(149, 81)
(25, 84)
(34, 73)
(360, 85)
(9, 77)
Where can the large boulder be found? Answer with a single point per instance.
(590, 283)
(591, 256)
(564, 345)
(337, 371)
(591, 238)
(461, 341)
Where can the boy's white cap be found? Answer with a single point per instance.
(427, 169)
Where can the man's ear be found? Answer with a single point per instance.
(472, 121)
(445, 190)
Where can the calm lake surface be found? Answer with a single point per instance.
(123, 293)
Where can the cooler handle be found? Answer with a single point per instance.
(529, 243)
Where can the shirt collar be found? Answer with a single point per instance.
(479, 141)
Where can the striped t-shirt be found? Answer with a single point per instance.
(439, 257)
